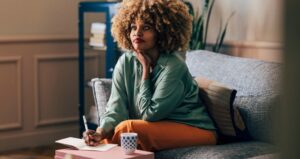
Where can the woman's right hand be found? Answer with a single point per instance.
(93, 138)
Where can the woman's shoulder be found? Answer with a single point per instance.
(175, 60)
(126, 57)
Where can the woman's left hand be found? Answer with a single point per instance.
(145, 60)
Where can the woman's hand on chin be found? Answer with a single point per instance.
(145, 60)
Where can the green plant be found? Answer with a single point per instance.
(200, 27)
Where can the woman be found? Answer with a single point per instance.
(153, 93)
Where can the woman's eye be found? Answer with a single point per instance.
(133, 27)
(147, 27)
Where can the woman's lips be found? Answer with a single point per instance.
(138, 40)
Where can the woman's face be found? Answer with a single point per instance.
(142, 36)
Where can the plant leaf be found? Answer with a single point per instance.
(210, 7)
(199, 28)
(197, 32)
(224, 33)
(218, 38)
(198, 45)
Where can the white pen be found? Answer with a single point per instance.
(85, 123)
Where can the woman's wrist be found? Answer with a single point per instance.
(104, 134)
(146, 72)
(101, 132)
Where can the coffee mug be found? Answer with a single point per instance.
(129, 142)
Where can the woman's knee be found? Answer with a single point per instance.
(130, 126)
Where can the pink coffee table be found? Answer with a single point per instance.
(114, 153)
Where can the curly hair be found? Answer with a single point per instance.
(170, 19)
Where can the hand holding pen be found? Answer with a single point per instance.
(91, 137)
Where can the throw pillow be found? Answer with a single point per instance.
(218, 100)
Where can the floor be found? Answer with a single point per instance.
(42, 152)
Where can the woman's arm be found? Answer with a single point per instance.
(168, 95)
(116, 110)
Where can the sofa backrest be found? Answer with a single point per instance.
(257, 83)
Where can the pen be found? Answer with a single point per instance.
(85, 123)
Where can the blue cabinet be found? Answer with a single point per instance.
(111, 56)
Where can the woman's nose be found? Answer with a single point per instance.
(138, 31)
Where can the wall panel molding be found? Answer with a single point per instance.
(16, 60)
(254, 44)
(261, 50)
(46, 58)
(37, 38)
(266, 51)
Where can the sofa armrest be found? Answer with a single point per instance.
(101, 88)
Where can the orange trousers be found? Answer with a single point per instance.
(154, 136)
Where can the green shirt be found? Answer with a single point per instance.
(169, 94)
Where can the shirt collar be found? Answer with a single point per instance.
(162, 60)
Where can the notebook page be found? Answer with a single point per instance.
(80, 144)
(72, 141)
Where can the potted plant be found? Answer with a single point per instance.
(200, 27)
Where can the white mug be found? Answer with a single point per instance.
(129, 142)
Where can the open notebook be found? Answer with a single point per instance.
(80, 144)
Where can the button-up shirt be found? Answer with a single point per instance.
(169, 94)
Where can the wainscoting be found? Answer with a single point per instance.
(39, 89)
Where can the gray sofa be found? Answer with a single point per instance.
(257, 84)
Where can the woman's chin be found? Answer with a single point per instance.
(141, 49)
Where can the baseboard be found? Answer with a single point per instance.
(37, 138)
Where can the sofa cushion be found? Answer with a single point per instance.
(260, 113)
(257, 83)
(218, 100)
(227, 151)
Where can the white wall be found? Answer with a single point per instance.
(32, 17)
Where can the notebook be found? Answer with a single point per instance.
(81, 145)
